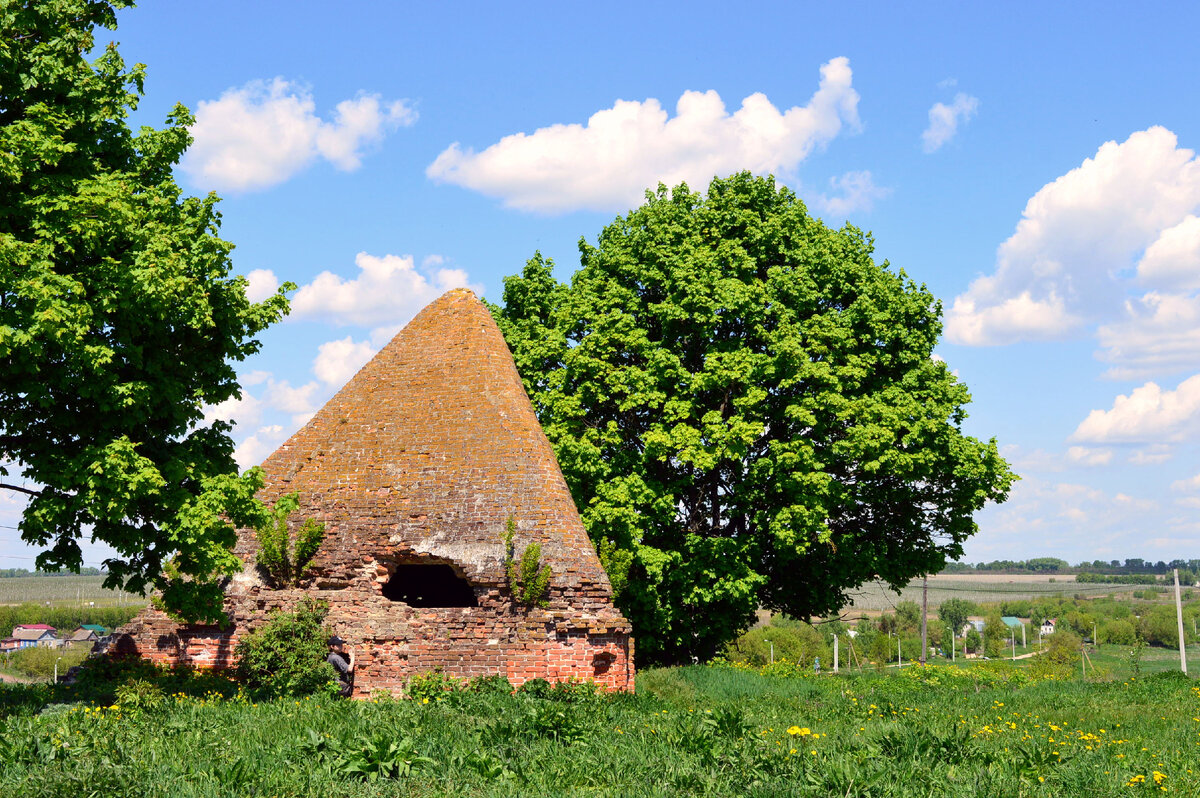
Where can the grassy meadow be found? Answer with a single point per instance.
(982, 588)
(63, 591)
(985, 730)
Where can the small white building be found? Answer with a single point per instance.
(1048, 626)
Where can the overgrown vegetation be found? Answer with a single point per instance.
(990, 729)
(284, 561)
(38, 662)
(528, 579)
(286, 655)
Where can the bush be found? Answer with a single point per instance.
(495, 684)
(798, 644)
(38, 661)
(1120, 632)
(431, 686)
(286, 656)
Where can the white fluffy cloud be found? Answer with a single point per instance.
(254, 449)
(264, 132)
(1151, 455)
(1085, 456)
(387, 290)
(1146, 414)
(1159, 334)
(1173, 260)
(1190, 485)
(945, 119)
(853, 191)
(261, 283)
(338, 361)
(1062, 519)
(608, 163)
(1111, 228)
(244, 411)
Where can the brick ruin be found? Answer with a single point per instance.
(415, 467)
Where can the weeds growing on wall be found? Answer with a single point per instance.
(528, 579)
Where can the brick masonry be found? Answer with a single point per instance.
(421, 458)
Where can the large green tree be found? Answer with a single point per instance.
(747, 409)
(119, 319)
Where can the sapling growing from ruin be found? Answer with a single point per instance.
(528, 579)
(284, 568)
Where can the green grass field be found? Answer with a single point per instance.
(876, 596)
(985, 730)
(62, 591)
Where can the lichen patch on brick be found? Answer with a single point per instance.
(420, 460)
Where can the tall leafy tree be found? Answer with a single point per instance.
(119, 319)
(747, 409)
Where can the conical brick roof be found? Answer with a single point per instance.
(426, 453)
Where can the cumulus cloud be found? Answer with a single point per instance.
(338, 361)
(1082, 455)
(387, 290)
(1086, 249)
(945, 119)
(1189, 485)
(1159, 334)
(1146, 414)
(1151, 455)
(608, 163)
(261, 283)
(853, 191)
(254, 449)
(242, 411)
(1076, 521)
(262, 133)
(1173, 260)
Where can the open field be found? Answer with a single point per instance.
(980, 588)
(63, 591)
(987, 730)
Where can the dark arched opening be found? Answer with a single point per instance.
(429, 585)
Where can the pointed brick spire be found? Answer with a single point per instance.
(415, 467)
(429, 449)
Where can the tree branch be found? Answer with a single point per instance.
(20, 489)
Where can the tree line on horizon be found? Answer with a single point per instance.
(1039, 565)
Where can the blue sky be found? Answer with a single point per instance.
(1033, 164)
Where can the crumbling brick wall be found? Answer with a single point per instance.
(423, 457)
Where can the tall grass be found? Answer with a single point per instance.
(701, 730)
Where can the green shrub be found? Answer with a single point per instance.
(287, 568)
(536, 688)
(38, 661)
(139, 695)
(286, 656)
(494, 684)
(431, 686)
(798, 644)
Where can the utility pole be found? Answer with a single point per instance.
(924, 614)
(1023, 643)
(899, 653)
(835, 653)
(1179, 617)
